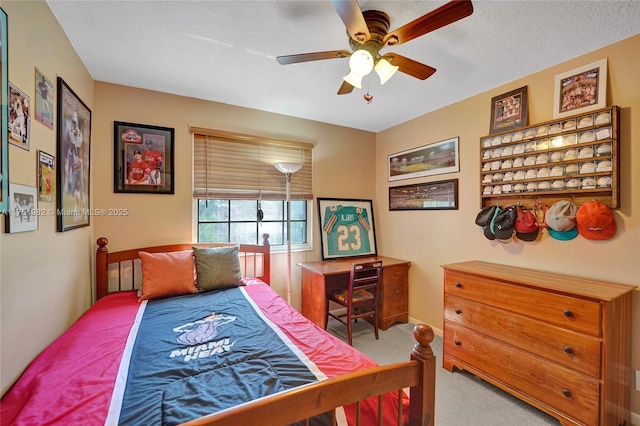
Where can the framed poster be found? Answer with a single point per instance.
(23, 209)
(580, 90)
(434, 159)
(143, 158)
(441, 195)
(73, 150)
(46, 176)
(346, 228)
(509, 111)
(19, 117)
(44, 99)
(4, 114)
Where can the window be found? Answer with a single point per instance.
(232, 172)
(222, 221)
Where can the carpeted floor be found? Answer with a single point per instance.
(461, 398)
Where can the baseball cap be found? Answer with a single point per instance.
(561, 220)
(604, 149)
(586, 137)
(544, 185)
(532, 186)
(570, 154)
(486, 166)
(530, 161)
(568, 125)
(487, 190)
(571, 169)
(603, 133)
(518, 162)
(543, 172)
(504, 224)
(556, 171)
(518, 136)
(486, 154)
(588, 183)
(543, 144)
(542, 130)
(506, 139)
(485, 215)
(573, 183)
(526, 226)
(497, 140)
(556, 156)
(488, 232)
(518, 187)
(529, 134)
(137, 151)
(518, 149)
(520, 174)
(506, 188)
(507, 164)
(587, 168)
(586, 152)
(570, 139)
(595, 221)
(507, 150)
(497, 177)
(585, 121)
(555, 128)
(486, 143)
(604, 181)
(603, 118)
(508, 176)
(557, 184)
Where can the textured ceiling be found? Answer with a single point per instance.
(225, 51)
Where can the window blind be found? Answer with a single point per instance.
(237, 166)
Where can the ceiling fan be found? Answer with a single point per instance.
(369, 33)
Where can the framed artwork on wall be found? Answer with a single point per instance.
(73, 150)
(346, 228)
(4, 114)
(143, 158)
(19, 117)
(441, 195)
(509, 111)
(44, 100)
(46, 176)
(580, 90)
(23, 209)
(434, 159)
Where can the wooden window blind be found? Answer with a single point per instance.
(240, 167)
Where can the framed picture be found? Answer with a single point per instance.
(509, 111)
(19, 117)
(580, 90)
(46, 176)
(441, 195)
(44, 99)
(74, 146)
(434, 159)
(4, 114)
(346, 228)
(23, 209)
(143, 158)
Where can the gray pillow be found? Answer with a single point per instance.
(217, 267)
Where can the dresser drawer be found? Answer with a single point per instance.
(553, 385)
(575, 350)
(395, 274)
(568, 312)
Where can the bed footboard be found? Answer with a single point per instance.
(306, 401)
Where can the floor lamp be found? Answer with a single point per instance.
(288, 169)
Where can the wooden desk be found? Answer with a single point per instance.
(318, 277)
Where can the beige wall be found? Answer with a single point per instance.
(433, 238)
(43, 274)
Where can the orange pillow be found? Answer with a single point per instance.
(167, 274)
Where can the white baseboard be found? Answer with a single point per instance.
(635, 419)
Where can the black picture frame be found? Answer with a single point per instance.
(347, 228)
(427, 160)
(440, 195)
(509, 111)
(155, 145)
(74, 154)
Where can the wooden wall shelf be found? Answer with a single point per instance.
(574, 158)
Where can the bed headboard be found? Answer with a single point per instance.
(121, 270)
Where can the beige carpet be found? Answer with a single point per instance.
(461, 398)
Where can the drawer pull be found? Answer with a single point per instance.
(397, 291)
(567, 313)
(458, 311)
(458, 285)
(457, 342)
(566, 392)
(568, 349)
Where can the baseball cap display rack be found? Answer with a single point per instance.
(575, 158)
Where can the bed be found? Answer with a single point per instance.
(225, 354)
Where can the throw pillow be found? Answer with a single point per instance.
(167, 274)
(218, 267)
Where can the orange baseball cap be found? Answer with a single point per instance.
(595, 221)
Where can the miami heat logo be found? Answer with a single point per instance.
(202, 331)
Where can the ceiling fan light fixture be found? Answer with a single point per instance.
(353, 79)
(385, 70)
(361, 62)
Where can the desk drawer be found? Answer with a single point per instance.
(575, 350)
(569, 312)
(553, 385)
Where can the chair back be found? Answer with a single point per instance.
(364, 276)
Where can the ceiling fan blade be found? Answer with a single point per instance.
(351, 15)
(345, 88)
(409, 66)
(444, 15)
(316, 56)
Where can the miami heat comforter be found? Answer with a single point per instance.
(167, 361)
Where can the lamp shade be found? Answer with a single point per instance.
(361, 62)
(353, 79)
(385, 70)
(287, 167)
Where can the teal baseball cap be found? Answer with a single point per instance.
(561, 220)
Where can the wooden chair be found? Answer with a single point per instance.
(360, 298)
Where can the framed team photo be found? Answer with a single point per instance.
(19, 117)
(23, 206)
(509, 111)
(580, 90)
(143, 158)
(347, 228)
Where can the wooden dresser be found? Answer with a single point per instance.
(561, 343)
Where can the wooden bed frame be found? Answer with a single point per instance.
(306, 401)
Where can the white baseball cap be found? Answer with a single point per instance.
(570, 139)
(529, 134)
(532, 174)
(573, 183)
(587, 168)
(507, 164)
(486, 178)
(496, 141)
(495, 165)
(486, 166)
(603, 133)
(542, 159)
(542, 130)
(604, 149)
(508, 176)
(507, 150)
(532, 186)
(506, 139)
(518, 162)
(543, 144)
(520, 174)
(568, 125)
(497, 189)
(486, 143)
(543, 186)
(570, 154)
(604, 181)
(557, 184)
(518, 149)
(518, 187)
(588, 183)
(497, 177)
(603, 118)
(530, 161)
(586, 152)
(530, 146)
(486, 154)
(543, 172)
(556, 156)
(586, 137)
(605, 166)
(571, 169)
(556, 171)
(506, 187)
(586, 121)
(486, 190)
(518, 136)
(496, 153)
(555, 128)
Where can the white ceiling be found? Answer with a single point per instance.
(225, 51)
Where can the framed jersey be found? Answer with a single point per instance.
(346, 228)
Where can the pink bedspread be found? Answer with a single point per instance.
(71, 381)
